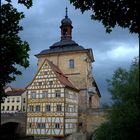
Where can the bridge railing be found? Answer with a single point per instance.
(16, 114)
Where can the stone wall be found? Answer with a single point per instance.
(91, 120)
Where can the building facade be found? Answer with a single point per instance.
(76, 62)
(15, 101)
(65, 61)
(52, 103)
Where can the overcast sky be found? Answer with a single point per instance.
(41, 29)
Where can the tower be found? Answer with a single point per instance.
(66, 28)
(76, 62)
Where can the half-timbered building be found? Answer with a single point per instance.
(52, 105)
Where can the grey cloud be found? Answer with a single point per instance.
(41, 29)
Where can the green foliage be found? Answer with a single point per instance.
(13, 51)
(123, 120)
(123, 13)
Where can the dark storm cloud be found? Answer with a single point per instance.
(41, 29)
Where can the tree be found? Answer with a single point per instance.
(123, 13)
(13, 51)
(123, 120)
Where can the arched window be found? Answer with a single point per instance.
(64, 31)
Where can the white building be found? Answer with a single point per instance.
(15, 100)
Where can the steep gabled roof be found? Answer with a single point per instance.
(61, 76)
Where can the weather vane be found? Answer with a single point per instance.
(66, 12)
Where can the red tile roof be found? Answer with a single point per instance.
(15, 92)
(61, 76)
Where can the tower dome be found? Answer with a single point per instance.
(66, 20)
(66, 27)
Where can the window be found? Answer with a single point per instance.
(71, 63)
(12, 108)
(3, 108)
(23, 108)
(33, 94)
(17, 108)
(57, 125)
(48, 108)
(50, 82)
(40, 125)
(67, 108)
(31, 108)
(37, 108)
(44, 94)
(65, 31)
(39, 83)
(24, 100)
(59, 108)
(7, 108)
(58, 93)
(30, 125)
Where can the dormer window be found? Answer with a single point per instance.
(71, 63)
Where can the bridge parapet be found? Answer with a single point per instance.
(17, 114)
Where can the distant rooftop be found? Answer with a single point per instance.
(14, 91)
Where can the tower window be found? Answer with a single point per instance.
(71, 63)
(64, 31)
